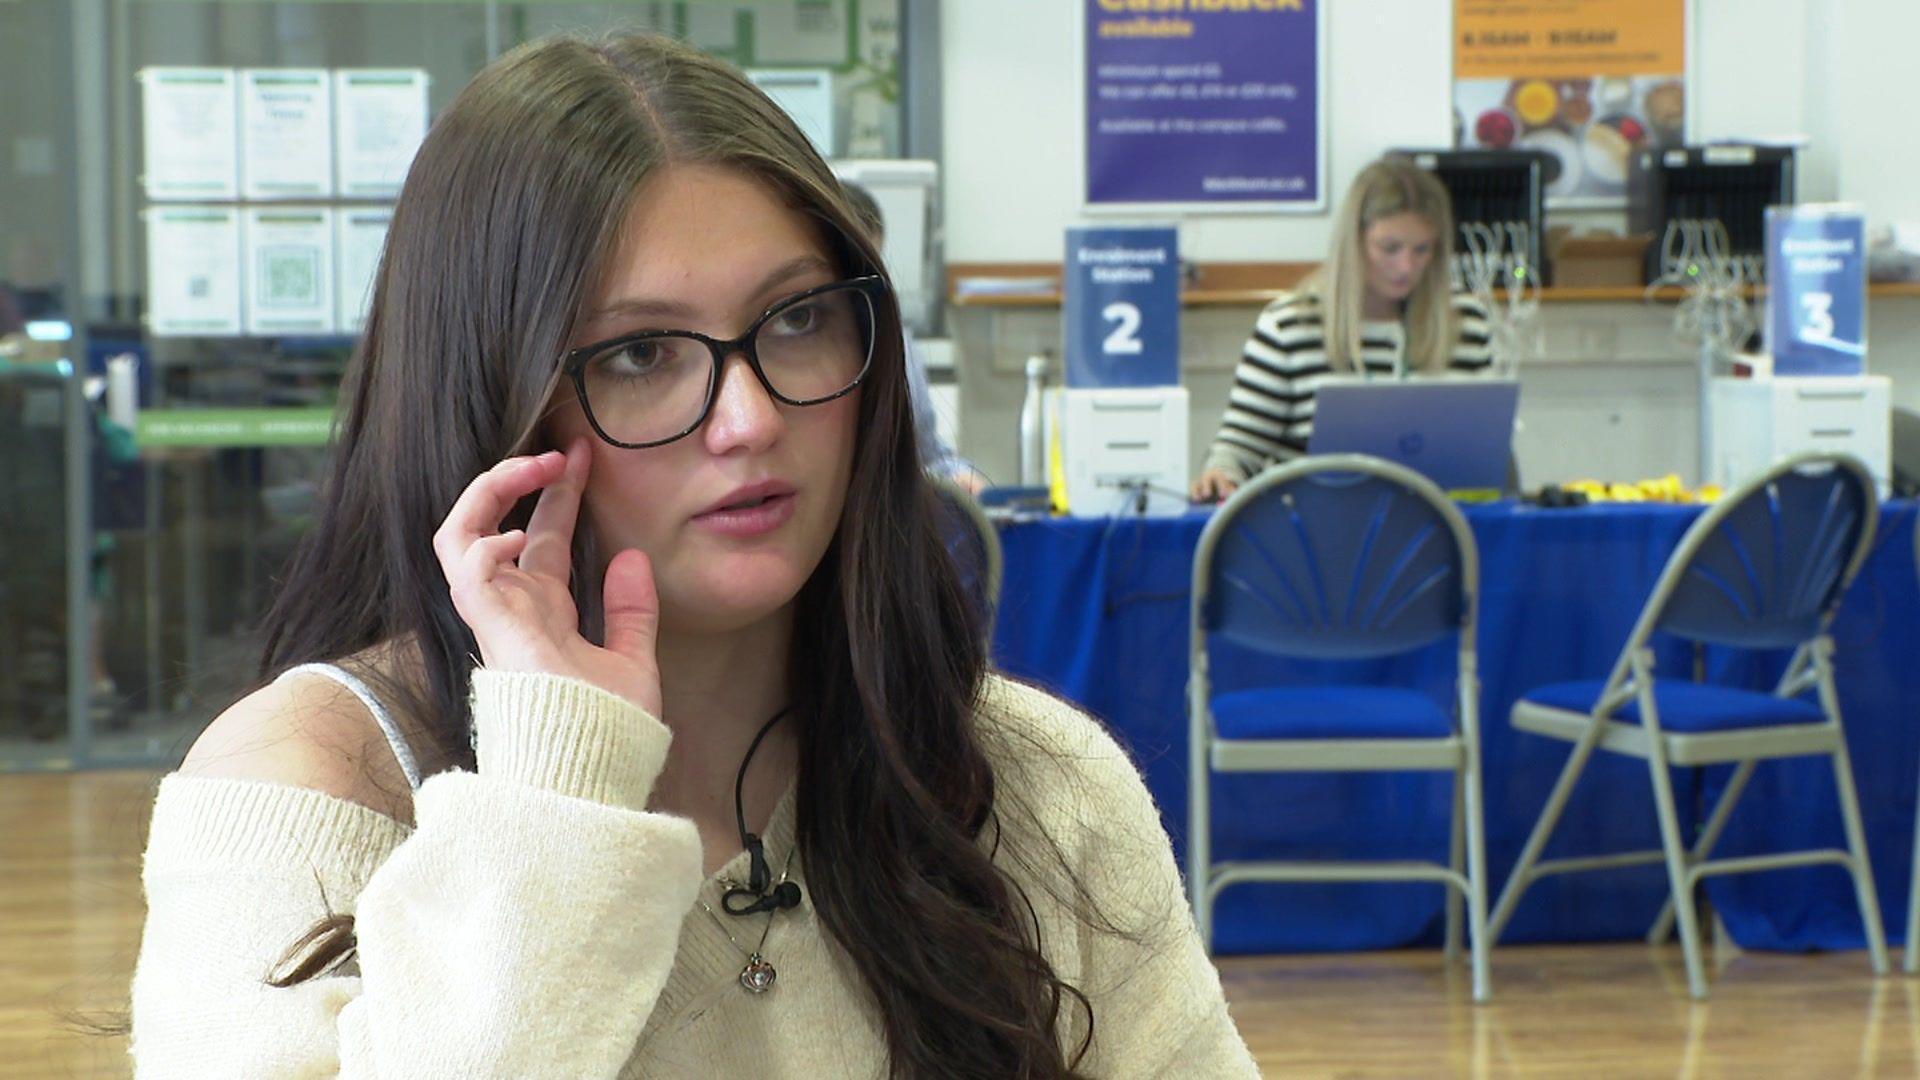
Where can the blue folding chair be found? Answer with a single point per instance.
(1339, 557)
(1913, 885)
(973, 544)
(1765, 568)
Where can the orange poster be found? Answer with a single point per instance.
(1587, 82)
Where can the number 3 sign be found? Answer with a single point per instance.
(1816, 289)
(1123, 307)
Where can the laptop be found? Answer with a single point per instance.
(1456, 432)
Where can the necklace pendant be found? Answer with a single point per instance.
(757, 977)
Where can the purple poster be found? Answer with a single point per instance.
(1209, 101)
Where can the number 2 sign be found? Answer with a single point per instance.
(1122, 307)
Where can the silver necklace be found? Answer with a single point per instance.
(758, 975)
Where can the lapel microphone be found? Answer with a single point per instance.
(759, 893)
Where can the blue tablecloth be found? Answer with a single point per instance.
(1097, 610)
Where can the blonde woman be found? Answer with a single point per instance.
(1381, 305)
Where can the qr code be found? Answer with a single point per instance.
(289, 277)
(199, 286)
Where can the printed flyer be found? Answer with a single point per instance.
(1588, 83)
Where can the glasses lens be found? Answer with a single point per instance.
(647, 390)
(817, 346)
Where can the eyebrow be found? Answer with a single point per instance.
(674, 309)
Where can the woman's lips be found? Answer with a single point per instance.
(753, 516)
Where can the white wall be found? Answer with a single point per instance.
(1870, 118)
(1840, 72)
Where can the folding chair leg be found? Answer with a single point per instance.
(1862, 869)
(1913, 910)
(1456, 859)
(1517, 881)
(1689, 916)
(1481, 943)
(1200, 851)
(1716, 824)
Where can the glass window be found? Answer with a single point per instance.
(134, 582)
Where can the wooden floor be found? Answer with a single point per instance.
(70, 915)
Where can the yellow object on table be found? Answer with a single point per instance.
(1056, 462)
(1666, 489)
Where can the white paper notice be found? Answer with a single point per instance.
(286, 118)
(190, 133)
(380, 118)
(807, 96)
(193, 271)
(289, 286)
(712, 28)
(362, 233)
(810, 33)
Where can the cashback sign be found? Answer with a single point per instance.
(1122, 307)
(1816, 290)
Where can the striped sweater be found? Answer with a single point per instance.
(1269, 414)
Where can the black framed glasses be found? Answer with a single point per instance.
(650, 388)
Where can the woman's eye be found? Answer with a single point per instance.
(639, 356)
(636, 359)
(797, 319)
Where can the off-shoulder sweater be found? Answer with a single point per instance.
(539, 920)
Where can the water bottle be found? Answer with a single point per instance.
(1033, 443)
(123, 390)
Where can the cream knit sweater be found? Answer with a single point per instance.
(538, 921)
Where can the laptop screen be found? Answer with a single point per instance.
(1456, 432)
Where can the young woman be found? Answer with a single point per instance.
(1380, 305)
(627, 552)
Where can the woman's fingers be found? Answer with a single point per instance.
(1213, 486)
(485, 557)
(478, 510)
(632, 607)
(549, 549)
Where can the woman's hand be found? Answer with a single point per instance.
(1214, 485)
(511, 588)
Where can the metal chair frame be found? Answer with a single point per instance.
(1464, 875)
(1632, 680)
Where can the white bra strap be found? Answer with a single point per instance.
(401, 751)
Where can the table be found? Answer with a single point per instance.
(1097, 611)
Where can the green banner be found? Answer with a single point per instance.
(234, 427)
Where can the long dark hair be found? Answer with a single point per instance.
(511, 209)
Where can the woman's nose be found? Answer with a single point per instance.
(745, 415)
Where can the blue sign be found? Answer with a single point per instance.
(1123, 307)
(1205, 103)
(1816, 290)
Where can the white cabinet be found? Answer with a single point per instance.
(1756, 422)
(1125, 451)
